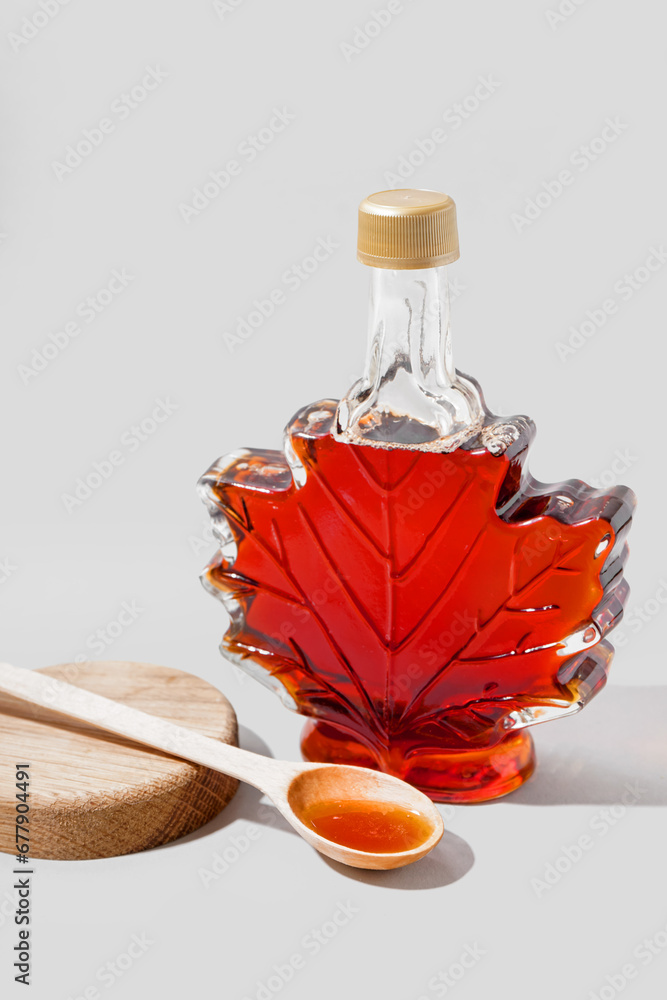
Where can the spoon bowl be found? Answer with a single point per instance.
(363, 791)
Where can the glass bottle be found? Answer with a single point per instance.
(395, 573)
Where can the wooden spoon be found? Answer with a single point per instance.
(300, 791)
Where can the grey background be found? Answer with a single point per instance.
(142, 535)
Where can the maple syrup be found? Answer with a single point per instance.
(395, 573)
(415, 603)
(375, 827)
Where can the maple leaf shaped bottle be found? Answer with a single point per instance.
(395, 573)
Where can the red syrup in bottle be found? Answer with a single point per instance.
(420, 607)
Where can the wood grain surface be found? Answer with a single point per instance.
(95, 795)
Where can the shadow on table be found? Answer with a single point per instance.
(248, 804)
(614, 751)
(447, 863)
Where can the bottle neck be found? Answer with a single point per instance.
(410, 395)
(409, 326)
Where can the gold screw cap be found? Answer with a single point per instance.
(407, 228)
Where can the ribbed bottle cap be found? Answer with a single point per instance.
(407, 228)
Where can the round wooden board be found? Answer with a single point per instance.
(96, 795)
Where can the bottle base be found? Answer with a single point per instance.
(447, 776)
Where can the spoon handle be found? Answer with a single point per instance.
(114, 717)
